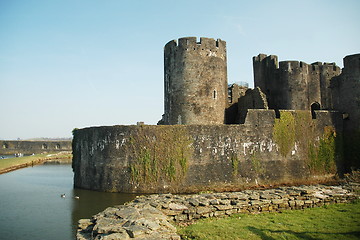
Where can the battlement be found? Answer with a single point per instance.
(191, 44)
(304, 67)
(293, 66)
(268, 60)
(195, 88)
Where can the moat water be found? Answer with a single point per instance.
(31, 206)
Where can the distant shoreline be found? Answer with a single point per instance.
(12, 164)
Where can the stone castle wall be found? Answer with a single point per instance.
(191, 158)
(195, 76)
(294, 84)
(346, 97)
(30, 147)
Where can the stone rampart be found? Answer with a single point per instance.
(151, 217)
(294, 148)
(30, 147)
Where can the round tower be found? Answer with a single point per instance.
(195, 76)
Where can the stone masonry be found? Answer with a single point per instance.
(195, 78)
(153, 216)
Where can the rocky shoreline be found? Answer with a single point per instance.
(153, 216)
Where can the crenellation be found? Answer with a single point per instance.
(195, 82)
(274, 133)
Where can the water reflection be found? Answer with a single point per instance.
(92, 202)
(31, 206)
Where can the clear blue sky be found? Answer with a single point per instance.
(79, 63)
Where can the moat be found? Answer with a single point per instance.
(32, 206)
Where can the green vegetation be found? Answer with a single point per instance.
(298, 127)
(256, 163)
(159, 155)
(338, 221)
(323, 156)
(284, 132)
(9, 164)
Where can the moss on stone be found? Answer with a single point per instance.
(299, 128)
(284, 132)
(324, 153)
(256, 163)
(160, 155)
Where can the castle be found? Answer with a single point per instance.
(300, 123)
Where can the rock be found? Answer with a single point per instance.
(177, 207)
(85, 224)
(108, 225)
(277, 201)
(114, 236)
(223, 207)
(147, 217)
(193, 202)
(127, 212)
(203, 210)
(136, 231)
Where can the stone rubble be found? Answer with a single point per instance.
(151, 216)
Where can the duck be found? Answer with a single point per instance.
(63, 195)
(77, 197)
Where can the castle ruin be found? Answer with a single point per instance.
(300, 124)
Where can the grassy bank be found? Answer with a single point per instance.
(10, 164)
(338, 221)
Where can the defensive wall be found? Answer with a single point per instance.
(265, 150)
(294, 84)
(299, 124)
(346, 98)
(30, 147)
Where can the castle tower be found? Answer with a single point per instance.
(294, 84)
(195, 76)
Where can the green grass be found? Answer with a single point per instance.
(337, 221)
(35, 159)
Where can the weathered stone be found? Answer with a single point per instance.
(108, 225)
(141, 220)
(181, 217)
(242, 203)
(177, 207)
(85, 224)
(136, 231)
(319, 195)
(254, 197)
(223, 207)
(214, 202)
(256, 202)
(171, 212)
(203, 210)
(225, 202)
(242, 196)
(230, 211)
(127, 213)
(277, 201)
(193, 202)
(219, 213)
(114, 236)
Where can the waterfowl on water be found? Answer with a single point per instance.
(77, 197)
(63, 195)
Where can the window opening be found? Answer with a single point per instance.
(315, 106)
